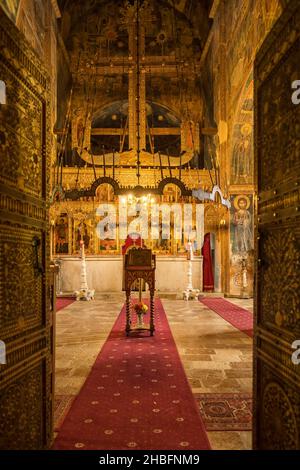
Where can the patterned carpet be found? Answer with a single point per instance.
(225, 411)
(62, 405)
(238, 317)
(136, 397)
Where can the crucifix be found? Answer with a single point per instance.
(135, 16)
(135, 20)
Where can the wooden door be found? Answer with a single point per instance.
(25, 381)
(277, 158)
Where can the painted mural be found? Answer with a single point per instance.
(246, 36)
(242, 139)
(247, 23)
(241, 244)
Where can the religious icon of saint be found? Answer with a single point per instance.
(82, 234)
(242, 221)
(61, 236)
(241, 154)
(86, 238)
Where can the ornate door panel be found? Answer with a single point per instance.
(25, 380)
(277, 156)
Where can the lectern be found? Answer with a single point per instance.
(140, 264)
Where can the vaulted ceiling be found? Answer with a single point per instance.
(170, 24)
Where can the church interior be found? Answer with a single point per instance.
(150, 242)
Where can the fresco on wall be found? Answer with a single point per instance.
(241, 244)
(247, 23)
(61, 235)
(11, 8)
(242, 140)
(241, 224)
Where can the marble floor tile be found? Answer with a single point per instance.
(230, 440)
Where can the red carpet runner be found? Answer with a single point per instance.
(136, 397)
(239, 317)
(62, 302)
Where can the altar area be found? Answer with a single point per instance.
(136, 155)
(164, 223)
(105, 273)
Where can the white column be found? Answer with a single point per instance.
(85, 293)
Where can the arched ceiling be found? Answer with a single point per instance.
(191, 9)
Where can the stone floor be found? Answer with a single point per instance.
(81, 330)
(244, 303)
(217, 357)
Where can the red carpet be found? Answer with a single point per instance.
(239, 317)
(136, 397)
(63, 302)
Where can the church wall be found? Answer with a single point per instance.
(37, 20)
(239, 29)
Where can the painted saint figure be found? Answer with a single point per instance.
(62, 236)
(82, 235)
(243, 225)
(241, 163)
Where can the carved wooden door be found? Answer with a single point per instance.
(25, 380)
(277, 156)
